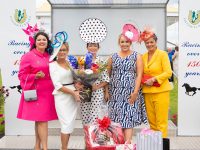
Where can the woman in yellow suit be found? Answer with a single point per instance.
(156, 65)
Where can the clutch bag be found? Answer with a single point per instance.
(30, 95)
(145, 77)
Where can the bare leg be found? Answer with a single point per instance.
(64, 141)
(128, 134)
(43, 133)
(37, 138)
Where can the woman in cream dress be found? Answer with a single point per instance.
(65, 94)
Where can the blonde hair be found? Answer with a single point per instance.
(66, 45)
(125, 37)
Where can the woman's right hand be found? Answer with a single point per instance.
(106, 96)
(76, 95)
(78, 85)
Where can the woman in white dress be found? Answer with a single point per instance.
(65, 94)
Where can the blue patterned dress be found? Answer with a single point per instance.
(122, 83)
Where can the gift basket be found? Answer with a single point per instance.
(103, 134)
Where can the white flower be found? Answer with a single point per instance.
(88, 71)
(129, 34)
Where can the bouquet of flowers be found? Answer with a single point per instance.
(86, 72)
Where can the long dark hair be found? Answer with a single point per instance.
(49, 48)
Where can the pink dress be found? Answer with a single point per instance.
(43, 109)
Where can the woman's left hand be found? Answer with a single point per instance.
(95, 87)
(133, 98)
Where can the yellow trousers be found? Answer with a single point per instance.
(157, 106)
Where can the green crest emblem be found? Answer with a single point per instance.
(20, 16)
(194, 17)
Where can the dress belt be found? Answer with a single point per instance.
(68, 84)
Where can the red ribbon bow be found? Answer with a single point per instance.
(104, 123)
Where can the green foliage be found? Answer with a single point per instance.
(2, 125)
(174, 102)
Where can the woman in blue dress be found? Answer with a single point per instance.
(126, 105)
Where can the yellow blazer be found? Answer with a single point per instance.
(159, 67)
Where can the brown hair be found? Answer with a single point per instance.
(176, 48)
(154, 36)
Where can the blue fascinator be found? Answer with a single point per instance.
(60, 38)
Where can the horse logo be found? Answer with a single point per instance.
(19, 88)
(190, 89)
(20, 16)
(194, 17)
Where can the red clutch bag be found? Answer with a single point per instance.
(145, 77)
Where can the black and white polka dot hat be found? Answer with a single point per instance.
(93, 30)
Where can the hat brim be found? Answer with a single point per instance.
(55, 52)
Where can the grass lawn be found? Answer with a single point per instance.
(174, 102)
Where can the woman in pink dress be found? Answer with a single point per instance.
(34, 74)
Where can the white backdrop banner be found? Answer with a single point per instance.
(15, 15)
(189, 68)
(114, 26)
